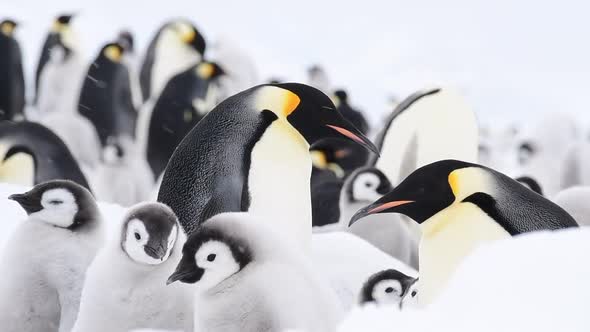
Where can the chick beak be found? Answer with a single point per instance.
(186, 271)
(25, 201)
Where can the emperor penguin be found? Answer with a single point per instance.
(428, 126)
(459, 206)
(44, 263)
(12, 82)
(126, 284)
(30, 154)
(176, 46)
(230, 161)
(123, 175)
(388, 287)
(127, 41)
(355, 117)
(61, 69)
(105, 98)
(235, 261)
(185, 100)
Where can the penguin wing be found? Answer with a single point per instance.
(18, 82)
(125, 111)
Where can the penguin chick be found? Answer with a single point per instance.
(44, 263)
(126, 284)
(459, 206)
(392, 234)
(123, 176)
(387, 287)
(235, 261)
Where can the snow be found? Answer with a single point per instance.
(534, 282)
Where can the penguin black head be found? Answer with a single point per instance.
(209, 70)
(386, 287)
(7, 27)
(313, 114)
(210, 256)
(366, 185)
(424, 193)
(341, 96)
(442, 184)
(126, 40)
(64, 19)
(327, 156)
(149, 233)
(189, 35)
(530, 183)
(59, 203)
(112, 51)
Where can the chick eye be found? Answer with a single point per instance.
(414, 293)
(211, 257)
(55, 202)
(389, 290)
(137, 236)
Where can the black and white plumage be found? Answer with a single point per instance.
(458, 206)
(126, 284)
(105, 98)
(12, 82)
(61, 69)
(185, 100)
(230, 160)
(388, 287)
(32, 154)
(248, 278)
(176, 46)
(44, 262)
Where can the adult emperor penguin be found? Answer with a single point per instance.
(105, 98)
(130, 59)
(428, 126)
(30, 154)
(12, 82)
(459, 206)
(230, 161)
(61, 57)
(185, 100)
(176, 46)
(44, 263)
(236, 261)
(126, 284)
(387, 287)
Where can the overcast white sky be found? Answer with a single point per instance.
(512, 59)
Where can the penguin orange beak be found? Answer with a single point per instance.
(382, 205)
(356, 137)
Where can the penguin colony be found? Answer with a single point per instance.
(263, 209)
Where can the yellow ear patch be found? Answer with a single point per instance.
(186, 32)
(318, 158)
(454, 182)
(280, 101)
(7, 29)
(113, 53)
(205, 70)
(470, 180)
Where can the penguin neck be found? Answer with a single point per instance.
(279, 181)
(447, 238)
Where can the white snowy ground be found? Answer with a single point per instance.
(536, 282)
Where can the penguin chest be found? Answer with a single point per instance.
(18, 169)
(447, 238)
(279, 181)
(172, 57)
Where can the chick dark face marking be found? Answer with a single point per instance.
(149, 233)
(386, 287)
(367, 185)
(210, 257)
(59, 203)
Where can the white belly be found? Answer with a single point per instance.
(447, 238)
(279, 181)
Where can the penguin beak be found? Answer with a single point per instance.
(383, 205)
(186, 271)
(349, 131)
(25, 201)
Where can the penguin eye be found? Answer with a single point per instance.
(211, 257)
(55, 202)
(368, 184)
(389, 290)
(137, 236)
(414, 293)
